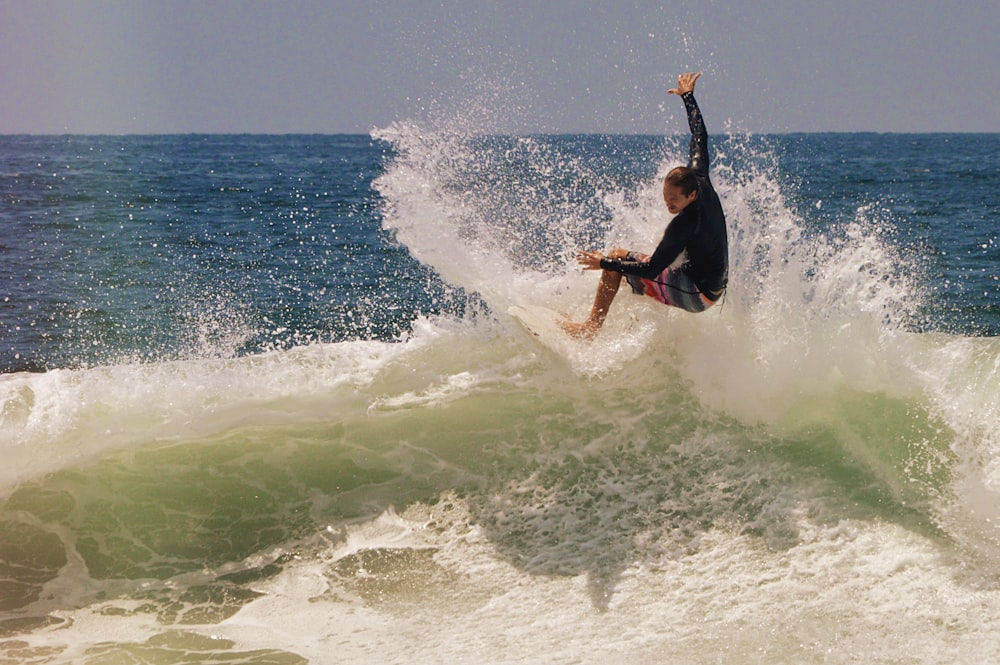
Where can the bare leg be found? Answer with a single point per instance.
(607, 289)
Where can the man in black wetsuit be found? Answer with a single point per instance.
(690, 267)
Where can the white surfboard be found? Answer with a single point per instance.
(543, 324)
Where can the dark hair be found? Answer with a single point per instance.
(683, 177)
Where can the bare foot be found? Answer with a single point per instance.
(584, 330)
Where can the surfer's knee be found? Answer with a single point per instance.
(617, 253)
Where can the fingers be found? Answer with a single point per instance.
(589, 259)
(685, 83)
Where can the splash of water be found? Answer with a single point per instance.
(813, 313)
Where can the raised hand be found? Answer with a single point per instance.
(685, 83)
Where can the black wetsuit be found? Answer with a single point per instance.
(700, 228)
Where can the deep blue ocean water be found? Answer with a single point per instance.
(118, 247)
(261, 401)
(153, 247)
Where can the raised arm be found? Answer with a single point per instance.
(698, 157)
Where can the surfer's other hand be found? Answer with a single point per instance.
(590, 259)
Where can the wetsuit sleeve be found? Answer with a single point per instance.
(698, 155)
(675, 239)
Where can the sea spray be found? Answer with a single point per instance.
(814, 319)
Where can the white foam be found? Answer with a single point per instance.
(846, 592)
(67, 417)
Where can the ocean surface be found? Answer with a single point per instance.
(261, 402)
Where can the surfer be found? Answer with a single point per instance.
(690, 267)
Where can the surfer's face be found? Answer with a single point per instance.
(676, 199)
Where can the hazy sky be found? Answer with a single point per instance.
(162, 66)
